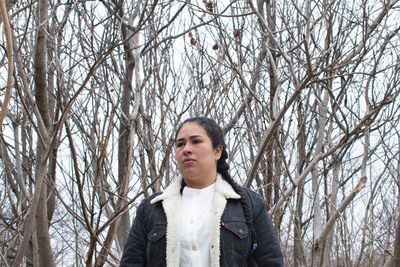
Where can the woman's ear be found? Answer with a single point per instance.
(218, 152)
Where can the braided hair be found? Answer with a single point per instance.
(216, 135)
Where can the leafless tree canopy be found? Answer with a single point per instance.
(307, 93)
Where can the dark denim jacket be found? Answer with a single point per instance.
(146, 244)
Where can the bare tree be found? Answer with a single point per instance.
(307, 94)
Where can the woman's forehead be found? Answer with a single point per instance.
(191, 129)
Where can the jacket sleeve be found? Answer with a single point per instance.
(268, 252)
(134, 254)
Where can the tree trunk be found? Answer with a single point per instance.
(51, 181)
(125, 136)
(9, 5)
(298, 250)
(42, 228)
(396, 251)
(332, 207)
(316, 179)
(42, 101)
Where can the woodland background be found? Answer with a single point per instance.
(307, 93)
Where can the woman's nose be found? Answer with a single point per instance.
(187, 150)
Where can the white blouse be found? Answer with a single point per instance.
(195, 226)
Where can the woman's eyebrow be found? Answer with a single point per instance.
(190, 137)
(179, 140)
(194, 136)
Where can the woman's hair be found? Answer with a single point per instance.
(216, 135)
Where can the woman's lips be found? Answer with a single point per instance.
(188, 161)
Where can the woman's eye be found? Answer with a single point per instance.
(179, 145)
(196, 141)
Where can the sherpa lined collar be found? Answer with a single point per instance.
(222, 188)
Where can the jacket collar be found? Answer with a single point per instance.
(222, 188)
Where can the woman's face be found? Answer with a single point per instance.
(195, 156)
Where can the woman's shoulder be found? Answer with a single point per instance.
(254, 196)
(256, 200)
(149, 198)
(149, 210)
(146, 201)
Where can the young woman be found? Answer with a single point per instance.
(203, 218)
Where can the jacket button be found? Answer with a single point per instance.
(155, 235)
(194, 248)
(241, 231)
